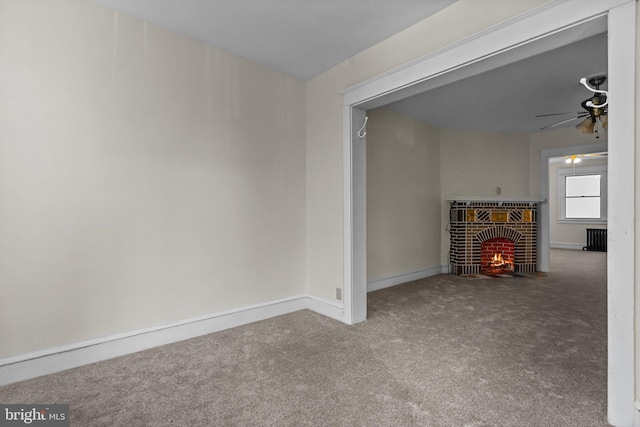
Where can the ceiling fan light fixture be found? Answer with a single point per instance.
(594, 117)
(587, 125)
(573, 159)
(605, 121)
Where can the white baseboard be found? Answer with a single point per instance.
(572, 246)
(396, 279)
(325, 307)
(49, 361)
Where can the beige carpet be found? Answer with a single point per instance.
(443, 351)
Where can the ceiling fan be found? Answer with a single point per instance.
(595, 108)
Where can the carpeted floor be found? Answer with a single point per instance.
(443, 351)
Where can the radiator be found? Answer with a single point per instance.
(596, 240)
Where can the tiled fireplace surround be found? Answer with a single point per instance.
(474, 222)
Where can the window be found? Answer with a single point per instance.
(583, 194)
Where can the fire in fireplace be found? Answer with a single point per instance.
(497, 256)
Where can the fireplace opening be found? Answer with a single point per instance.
(497, 256)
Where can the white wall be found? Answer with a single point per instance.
(563, 234)
(476, 164)
(403, 194)
(411, 168)
(401, 157)
(145, 178)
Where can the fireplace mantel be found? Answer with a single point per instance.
(495, 199)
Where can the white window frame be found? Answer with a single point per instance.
(580, 171)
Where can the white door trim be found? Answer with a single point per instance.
(621, 211)
(544, 220)
(355, 221)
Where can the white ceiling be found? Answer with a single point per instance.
(509, 98)
(300, 37)
(306, 37)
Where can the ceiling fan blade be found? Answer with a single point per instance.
(556, 114)
(562, 122)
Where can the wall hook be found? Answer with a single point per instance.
(589, 103)
(362, 133)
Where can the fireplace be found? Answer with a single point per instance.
(497, 256)
(491, 237)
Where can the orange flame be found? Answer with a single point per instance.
(497, 260)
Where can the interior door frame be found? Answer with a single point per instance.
(544, 235)
(518, 37)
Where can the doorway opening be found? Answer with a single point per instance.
(543, 29)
